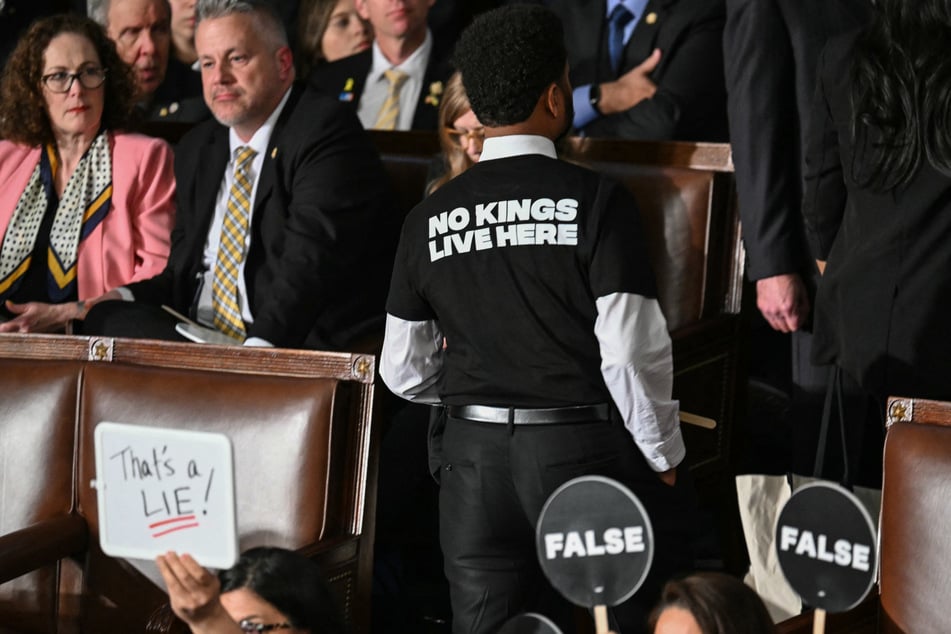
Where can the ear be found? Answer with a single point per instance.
(361, 7)
(554, 100)
(285, 63)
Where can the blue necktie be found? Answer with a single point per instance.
(617, 20)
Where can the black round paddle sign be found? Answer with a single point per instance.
(594, 541)
(529, 623)
(825, 542)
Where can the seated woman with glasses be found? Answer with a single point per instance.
(84, 207)
(268, 590)
(460, 135)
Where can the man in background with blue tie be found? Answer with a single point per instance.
(283, 234)
(646, 69)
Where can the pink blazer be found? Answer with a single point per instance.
(132, 241)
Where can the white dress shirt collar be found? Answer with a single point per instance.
(377, 87)
(517, 145)
(414, 65)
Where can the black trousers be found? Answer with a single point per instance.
(495, 480)
(130, 319)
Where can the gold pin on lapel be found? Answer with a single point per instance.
(650, 18)
(274, 153)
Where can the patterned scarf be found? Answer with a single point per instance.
(85, 202)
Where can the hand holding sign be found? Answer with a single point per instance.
(825, 542)
(194, 594)
(165, 489)
(595, 543)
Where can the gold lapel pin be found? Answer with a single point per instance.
(650, 18)
(274, 153)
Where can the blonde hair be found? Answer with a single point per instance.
(455, 103)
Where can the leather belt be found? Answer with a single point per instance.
(530, 416)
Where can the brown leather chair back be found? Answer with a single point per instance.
(916, 514)
(687, 205)
(686, 198)
(37, 430)
(305, 456)
(282, 451)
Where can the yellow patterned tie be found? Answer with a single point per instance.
(390, 110)
(234, 229)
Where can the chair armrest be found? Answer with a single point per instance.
(41, 544)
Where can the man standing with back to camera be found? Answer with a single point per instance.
(522, 298)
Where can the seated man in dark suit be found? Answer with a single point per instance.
(396, 84)
(283, 235)
(646, 69)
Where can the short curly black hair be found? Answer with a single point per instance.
(508, 57)
(23, 116)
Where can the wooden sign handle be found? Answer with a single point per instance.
(819, 621)
(601, 619)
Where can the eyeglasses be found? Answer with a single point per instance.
(247, 625)
(61, 81)
(477, 135)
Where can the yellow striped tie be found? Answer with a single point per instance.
(390, 110)
(234, 229)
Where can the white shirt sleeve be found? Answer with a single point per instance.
(412, 359)
(637, 366)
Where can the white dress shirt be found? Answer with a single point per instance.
(378, 86)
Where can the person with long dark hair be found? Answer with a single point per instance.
(268, 589)
(878, 212)
(710, 603)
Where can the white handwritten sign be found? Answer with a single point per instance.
(165, 489)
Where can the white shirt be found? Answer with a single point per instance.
(635, 347)
(378, 86)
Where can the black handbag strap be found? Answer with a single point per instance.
(833, 391)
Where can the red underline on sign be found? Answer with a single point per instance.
(183, 518)
(177, 528)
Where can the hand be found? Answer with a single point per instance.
(783, 301)
(631, 88)
(41, 317)
(194, 594)
(668, 477)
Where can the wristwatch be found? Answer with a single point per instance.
(594, 97)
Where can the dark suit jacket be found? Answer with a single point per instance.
(322, 234)
(179, 98)
(690, 103)
(331, 79)
(771, 48)
(883, 303)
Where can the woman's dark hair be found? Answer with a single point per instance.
(23, 116)
(508, 57)
(901, 93)
(313, 19)
(290, 582)
(719, 603)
